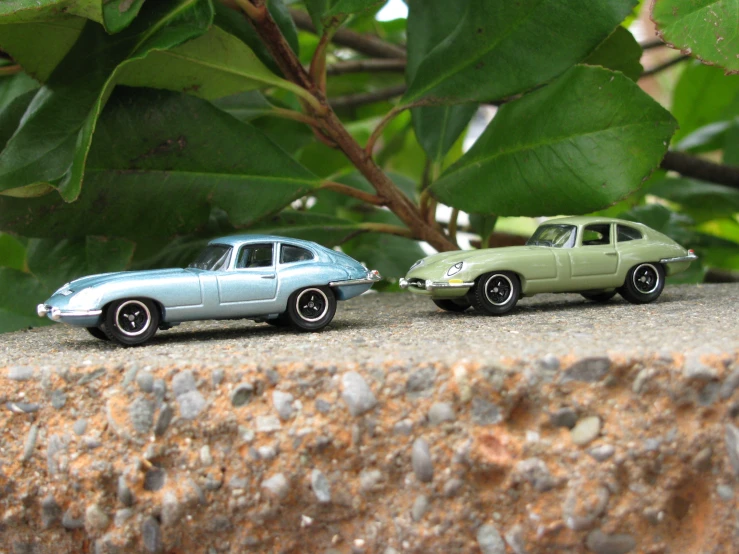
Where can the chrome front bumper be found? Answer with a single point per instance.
(689, 258)
(434, 285)
(372, 277)
(56, 314)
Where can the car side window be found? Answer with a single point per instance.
(625, 233)
(254, 255)
(290, 254)
(596, 234)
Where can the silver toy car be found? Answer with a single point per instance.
(265, 278)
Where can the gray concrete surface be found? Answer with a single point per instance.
(402, 327)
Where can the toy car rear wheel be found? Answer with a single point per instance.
(131, 321)
(598, 296)
(452, 305)
(311, 308)
(496, 293)
(644, 283)
(97, 332)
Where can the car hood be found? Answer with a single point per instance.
(105, 278)
(451, 258)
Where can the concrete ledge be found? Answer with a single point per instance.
(566, 426)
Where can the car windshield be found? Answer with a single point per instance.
(214, 258)
(554, 236)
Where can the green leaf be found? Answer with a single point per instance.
(12, 252)
(708, 138)
(503, 48)
(55, 262)
(322, 11)
(213, 65)
(11, 114)
(19, 296)
(42, 148)
(704, 95)
(731, 145)
(53, 39)
(585, 141)
(323, 229)
(390, 255)
(245, 106)
(29, 10)
(118, 14)
(13, 87)
(702, 201)
(436, 127)
(706, 28)
(620, 52)
(184, 158)
(237, 24)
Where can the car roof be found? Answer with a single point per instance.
(238, 240)
(587, 220)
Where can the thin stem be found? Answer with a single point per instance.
(295, 116)
(366, 44)
(453, 225)
(346, 190)
(255, 13)
(698, 168)
(656, 43)
(666, 65)
(392, 114)
(10, 70)
(355, 100)
(367, 66)
(318, 63)
(387, 229)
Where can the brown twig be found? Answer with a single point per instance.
(362, 98)
(10, 70)
(656, 43)
(698, 168)
(366, 44)
(346, 190)
(295, 116)
(666, 65)
(387, 229)
(453, 225)
(367, 66)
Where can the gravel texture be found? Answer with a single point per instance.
(566, 426)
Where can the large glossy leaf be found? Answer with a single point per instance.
(181, 158)
(236, 23)
(19, 295)
(577, 145)
(321, 11)
(44, 145)
(118, 14)
(214, 65)
(731, 145)
(12, 252)
(620, 52)
(29, 10)
(11, 114)
(13, 87)
(436, 127)
(55, 262)
(707, 29)
(704, 95)
(503, 48)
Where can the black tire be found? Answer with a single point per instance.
(311, 308)
(496, 293)
(131, 321)
(97, 332)
(455, 305)
(598, 296)
(644, 283)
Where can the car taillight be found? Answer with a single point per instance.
(691, 251)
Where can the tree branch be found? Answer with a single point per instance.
(362, 98)
(346, 190)
(387, 229)
(366, 44)
(698, 168)
(666, 65)
(656, 43)
(367, 66)
(10, 70)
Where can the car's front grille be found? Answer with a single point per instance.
(418, 283)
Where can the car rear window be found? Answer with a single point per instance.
(626, 233)
(291, 254)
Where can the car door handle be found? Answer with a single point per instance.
(270, 276)
(610, 253)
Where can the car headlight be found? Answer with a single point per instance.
(456, 268)
(86, 298)
(419, 263)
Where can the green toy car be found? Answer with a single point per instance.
(594, 256)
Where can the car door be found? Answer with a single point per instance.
(594, 261)
(250, 286)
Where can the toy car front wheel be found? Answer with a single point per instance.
(456, 305)
(496, 293)
(311, 308)
(598, 296)
(97, 332)
(131, 321)
(644, 283)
